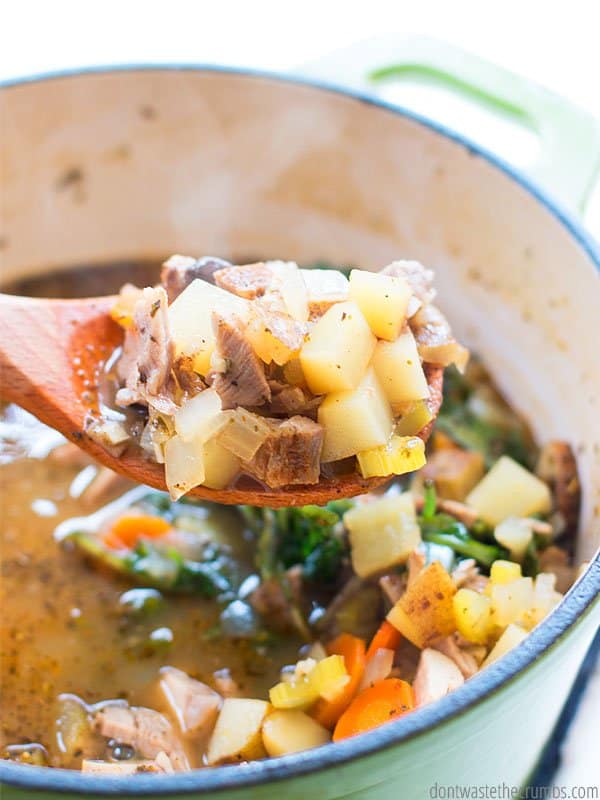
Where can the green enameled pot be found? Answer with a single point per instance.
(138, 162)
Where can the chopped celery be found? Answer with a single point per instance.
(414, 419)
(402, 454)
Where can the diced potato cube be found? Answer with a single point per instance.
(383, 533)
(383, 299)
(325, 287)
(516, 535)
(472, 612)
(454, 472)
(200, 416)
(400, 455)
(413, 418)
(275, 337)
(398, 367)
(511, 601)
(190, 320)
(338, 349)
(237, 734)
(220, 465)
(425, 612)
(355, 420)
(504, 572)
(184, 465)
(509, 490)
(511, 637)
(291, 732)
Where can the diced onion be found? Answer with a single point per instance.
(110, 434)
(289, 284)
(445, 354)
(243, 433)
(378, 667)
(200, 417)
(184, 465)
(156, 434)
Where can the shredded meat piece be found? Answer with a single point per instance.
(194, 704)
(436, 676)
(291, 454)
(244, 382)
(187, 379)
(147, 731)
(249, 280)
(273, 602)
(460, 511)
(145, 365)
(557, 466)
(120, 769)
(225, 684)
(554, 559)
(435, 342)
(463, 659)
(416, 562)
(393, 586)
(179, 271)
(419, 278)
(292, 400)
(467, 576)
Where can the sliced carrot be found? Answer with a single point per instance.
(374, 706)
(387, 638)
(128, 529)
(327, 712)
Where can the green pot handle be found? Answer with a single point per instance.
(569, 157)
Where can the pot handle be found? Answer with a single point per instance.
(569, 157)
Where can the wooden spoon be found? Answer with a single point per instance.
(52, 353)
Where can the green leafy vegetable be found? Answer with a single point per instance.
(477, 419)
(443, 529)
(165, 569)
(311, 536)
(446, 530)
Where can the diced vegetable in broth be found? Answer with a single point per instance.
(291, 732)
(383, 300)
(355, 420)
(400, 455)
(220, 465)
(382, 533)
(413, 418)
(237, 734)
(426, 611)
(512, 636)
(509, 490)
(190, 318)
(398, 368)
(338, 350)
(199, 417)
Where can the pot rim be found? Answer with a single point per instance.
(577, 603)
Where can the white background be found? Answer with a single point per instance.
(553, 43)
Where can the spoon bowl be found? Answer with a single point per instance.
(52, 355)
